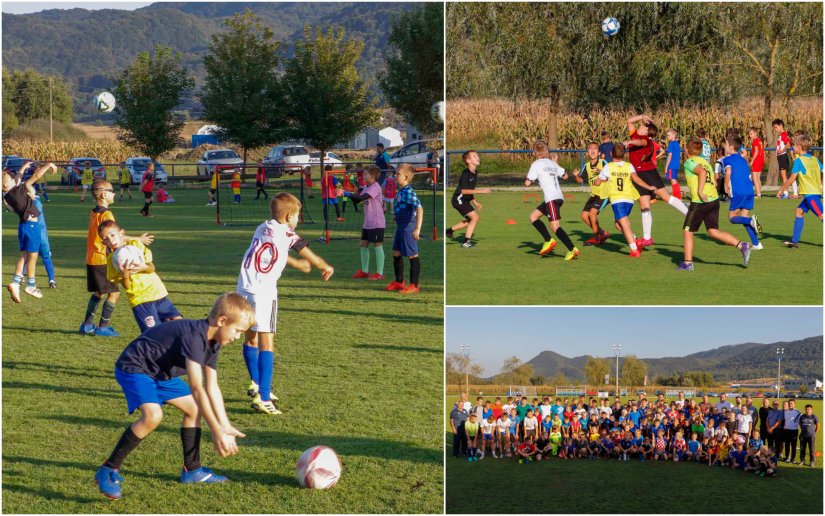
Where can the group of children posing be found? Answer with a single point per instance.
(680, 433)
(628, 173)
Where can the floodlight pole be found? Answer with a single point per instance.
(51, 118)
(779, 353)
(617, 348)
(465, 350)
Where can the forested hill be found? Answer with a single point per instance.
(86, 47)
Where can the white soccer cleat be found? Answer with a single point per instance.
(14, 291)
(33, 292)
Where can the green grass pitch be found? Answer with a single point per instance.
(354, 364)
(610, 486)
(505, 267)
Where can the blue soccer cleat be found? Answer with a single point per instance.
(108, 480)
(87, 329)
(685, 266)
(201, 475)
(106, 331)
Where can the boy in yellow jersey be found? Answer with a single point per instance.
(86, 179)
(598, 194)
(97, 282)
(125, 181)
(704, 206)
(146, 293)
(213, 187)
(621, 177)
(808, 171)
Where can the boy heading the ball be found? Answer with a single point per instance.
(599, 194)
(97, 280)
(145, 291)
(263, 263)
(149, 372)
(704, 206)
(547, 172)
(463, 199)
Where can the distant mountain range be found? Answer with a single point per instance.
(802, 358)
(86, 47)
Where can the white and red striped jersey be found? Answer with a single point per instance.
(265, 259)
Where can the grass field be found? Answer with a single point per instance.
(505, 268)
(604, 486)
(353, 366)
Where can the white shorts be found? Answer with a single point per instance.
(266, 311)
(86, 187)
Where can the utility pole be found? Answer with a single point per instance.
(51, 131)
(617, 348)
(779, 353)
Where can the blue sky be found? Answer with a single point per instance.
(33, 7)
(647, 332)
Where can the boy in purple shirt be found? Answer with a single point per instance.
(374, 225)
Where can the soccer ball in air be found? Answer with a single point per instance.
(610, 26)
(126, 255)
(318, 468)
(105, 102)
(439, 112)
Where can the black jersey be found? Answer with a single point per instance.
(467, 182)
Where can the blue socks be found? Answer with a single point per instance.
(752, 234)
(740, 220)
(250, 357)
(746, 221)
(17, 279)
(266, 361)
(798, 224)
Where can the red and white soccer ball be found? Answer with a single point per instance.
(318, 468)
(126, 255)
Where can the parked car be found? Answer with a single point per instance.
(419, 154)
(13, 164)
(73, 170)
(284, 159)
(137, 167)
(330, 158)
(225, 160)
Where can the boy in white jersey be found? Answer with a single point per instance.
(263, 264)
(503, 426)
(547, 172)
(488, 435)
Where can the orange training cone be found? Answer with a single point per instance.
(511, 221)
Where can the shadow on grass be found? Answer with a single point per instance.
(89, 467)
(677, 256)
(344, 445)
(396, 318)
(391, 347)
(57, 369)
(47, 494)
(59, 389)
(43, 330)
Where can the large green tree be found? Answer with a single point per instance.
(514, 371)
(595, 369)
(633, 371)
(414, 76)
(147, 93)
(462, 368)
(26, 97)
(10, 121)
(241, 93)
(325, 99)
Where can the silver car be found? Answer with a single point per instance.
(137, 167)
(226, 160)
(286, 159)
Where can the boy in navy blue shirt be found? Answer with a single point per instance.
(149, 372)
(739, 185)
(409, 216)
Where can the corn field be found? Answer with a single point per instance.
(107, 151)
(509, 125)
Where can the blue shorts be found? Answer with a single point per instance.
(488, 437)
(404, 243)
(741, 202)
(28, 234)
(672, 174)
(142, 388)
(333, 200)
(621, 210)
(152, 313)
(813, 203)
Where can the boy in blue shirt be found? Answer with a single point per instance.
(739, 185)
(409, 216)
(149, 372)
(693, 447)
(674, 161)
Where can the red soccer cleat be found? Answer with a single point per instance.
(360, 275)
(395, 285)
(644, 242)
(375, 276)
(635, 254)
(410, 289)
(603, 237)
(592, 241)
